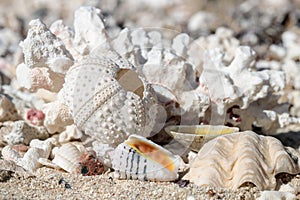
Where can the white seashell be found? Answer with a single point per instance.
(235, 159)
(139, 158)
(194, 136)
(67, 157)
(107, 102)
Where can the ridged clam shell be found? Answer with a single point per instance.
(108, 102)
(67, 157)
(140, 158)
(235, 159)
(194, 136)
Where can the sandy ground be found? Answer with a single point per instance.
(53, 184)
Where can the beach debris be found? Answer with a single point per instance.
(24, 133)
(30, 160)
(46, 59)
(57, 117)
(67, 184)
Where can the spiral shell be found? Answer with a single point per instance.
(194, 136)
(139, 158)
(108, 102)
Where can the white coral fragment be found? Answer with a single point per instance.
(57, 116)
(24, 133)
(89, 29)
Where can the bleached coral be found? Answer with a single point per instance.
(57, 117)
(235, 90)
(46, 59)
(24, 133)
(30, 161)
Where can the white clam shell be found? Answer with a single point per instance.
(232, 160)
(108, 102)
(140, 158)
(194, 136)
(67, 157)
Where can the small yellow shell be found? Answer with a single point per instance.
(194, 136)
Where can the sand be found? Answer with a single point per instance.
(54, 184)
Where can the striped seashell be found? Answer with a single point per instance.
(107, 101)
(194, 136)
(67, 157)
(140, 158)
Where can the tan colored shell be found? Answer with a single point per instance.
(194, 136)
(108, 102)
(232, 160)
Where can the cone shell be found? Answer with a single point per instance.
(232, 160)
(139, 158)
(194, 136)
(108, 102)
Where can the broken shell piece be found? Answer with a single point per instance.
(195, 136)
(140, 158)
(232, 160)
(67, 157)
